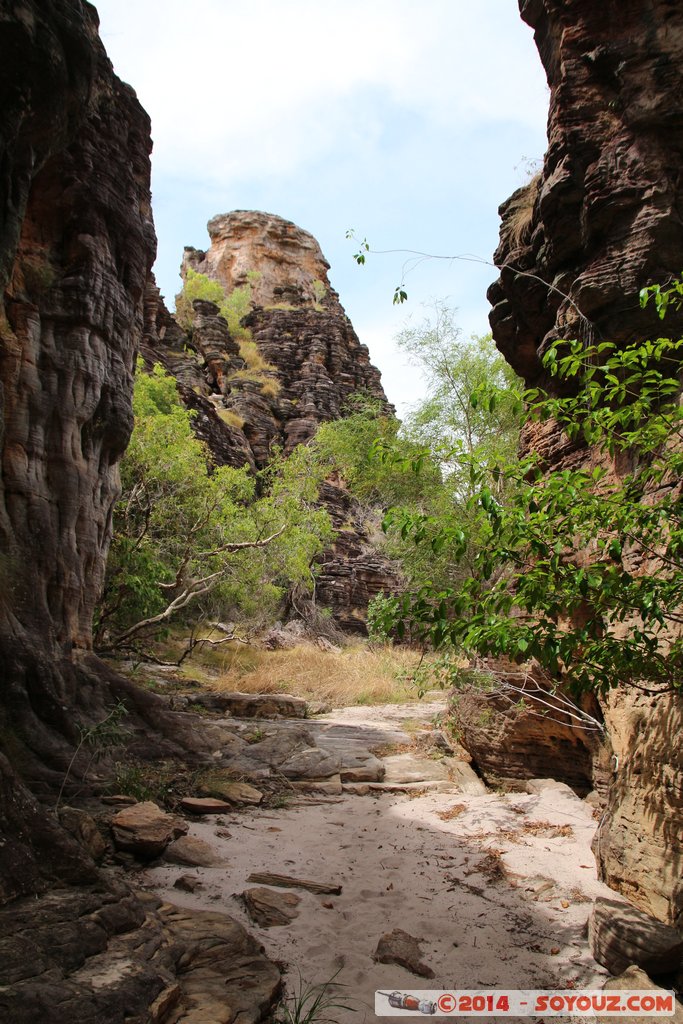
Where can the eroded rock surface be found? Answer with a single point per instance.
(76, 246)
(317, 363)
(599, 222)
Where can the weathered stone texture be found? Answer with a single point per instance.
(512, 743)
(287, 258)
(317, 363)
(76, 245)
(603, 219)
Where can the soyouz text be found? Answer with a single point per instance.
(525, 1003)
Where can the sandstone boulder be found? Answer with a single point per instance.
(269, 908)
(620, 936)
(238, 793)
(187, 883)
(191, 851)
(204, 805)
(145, 830)
(398, 947)
(636, 980)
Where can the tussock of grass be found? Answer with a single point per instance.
(250, 353)
(520, 214)
(359, 674)
(231, 418)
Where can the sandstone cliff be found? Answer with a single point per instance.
(314, 362)
(76, 245)
(601, 220)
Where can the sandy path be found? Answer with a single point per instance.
(499, 892)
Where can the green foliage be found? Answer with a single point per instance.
(416, 468)
(187, 532)
(472, 407)
(579, 568)
(233, 307)
(102, 736)
(313, 1004)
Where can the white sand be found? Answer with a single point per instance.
(401, 866)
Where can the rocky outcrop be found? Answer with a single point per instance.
(76, 246)
(512, 736)
(313, 363)
(105, 957)
(287, 260)
(620, 935)
(602, 220)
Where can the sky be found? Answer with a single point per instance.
(408, 121)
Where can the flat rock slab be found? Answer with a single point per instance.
(269, 908)
(409, 768)
(361, 766)
(204, 805)
(252, 705)
(242, 793)
(398, 947)
(620, 935)
(633, 980)
(145, 830)
(365, 788)
(279, 745)
(193, 852)
(222, 786)
(289, 882)
(310, 763)
(329, 787)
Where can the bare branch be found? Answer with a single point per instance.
(242, 545)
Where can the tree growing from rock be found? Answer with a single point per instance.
(194, 539)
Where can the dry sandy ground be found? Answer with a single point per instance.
(498, 887)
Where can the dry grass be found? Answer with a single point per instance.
(231, 418)
(519, 215)
(356, 675)
(253, 358)
(453, 812)
(547, 829)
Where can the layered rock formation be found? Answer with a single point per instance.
(602, 220)
(314, 363)
(76, 246)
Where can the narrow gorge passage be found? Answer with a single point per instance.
(496, 886)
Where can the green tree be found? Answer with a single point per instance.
(580, 568)
(187, 533)
(448, 422)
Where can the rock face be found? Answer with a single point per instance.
(287, 258)
(600, 221)
(509, 743)
(315, 363)
(621, 936)
(76, 246)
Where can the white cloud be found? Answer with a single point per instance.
(243, 89)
